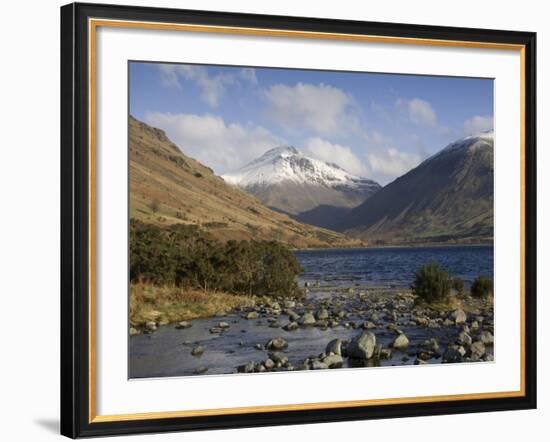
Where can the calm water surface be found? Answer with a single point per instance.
(392, 266)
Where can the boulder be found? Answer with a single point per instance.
(333, 361)
(362, 347)
(401, 342)
(269, 364)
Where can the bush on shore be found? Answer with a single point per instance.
(432, 283)
(482, 287)
(187, 257)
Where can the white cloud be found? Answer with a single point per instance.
(386, 165)
(320, 108)
(213, 142)
(421, 112)
(334, 153)
(478, 124)
(212, 86)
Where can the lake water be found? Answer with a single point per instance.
(394, 267)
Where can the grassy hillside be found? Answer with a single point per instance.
(446, 199)
(168, 187)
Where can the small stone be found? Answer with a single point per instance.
(184, 324)
(291, 326)
(486, 337)
(269, 364)
(198, 350)
(464, 338)
(322, 314)
(251, 315)
(278, 357)
(151, 326)
(477, 350)
(335, 347)
(201, 370)
(318, 365)
(276, 344)
(134, 331)
(223, 325)
(307, 319)
(459, 316)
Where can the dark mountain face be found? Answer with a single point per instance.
(447, 198)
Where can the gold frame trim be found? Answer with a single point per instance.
(93, 24)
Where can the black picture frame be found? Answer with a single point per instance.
(75, 220)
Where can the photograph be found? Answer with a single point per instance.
(285, 219)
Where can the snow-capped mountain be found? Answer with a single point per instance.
(287, 180)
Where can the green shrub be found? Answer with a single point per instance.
(482, 287)
(458, 285)
(186, 256)
(431, 283)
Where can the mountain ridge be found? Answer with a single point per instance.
(447, 198)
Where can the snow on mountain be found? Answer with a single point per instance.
(482, 139)
(286, 164)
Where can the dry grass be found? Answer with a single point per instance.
(173, 304)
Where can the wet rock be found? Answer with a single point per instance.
(184, 324)
(151, 326)
(134, 331)
(318, 365)
(419, 362)
(431, 345)
(251, 315)
(477, 350)
(334, 346)
(278, 357)
(459, 316)
(246, 368)
(451, 355)
(223, 325)
(385, 353)
(307, 319)
(269, 364)
(401, 342)
(369, 325)
(198, 350)
(333, 361)
(274, 324)
(322, 324)
(201, 370)
(289, 304)
(362, 347)
(486, 337)
(216, 330)
(322, 314)
(276, 344)
(291, 326)
(292, 315)
(464, 338)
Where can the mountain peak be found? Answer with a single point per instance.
(288, 164)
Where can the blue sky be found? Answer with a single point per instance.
(374, 125)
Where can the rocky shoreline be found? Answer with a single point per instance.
(364, 327)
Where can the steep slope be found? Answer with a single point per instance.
(285, 179)
(168, 187)
(447, 198)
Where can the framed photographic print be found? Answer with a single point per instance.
(274, 220)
